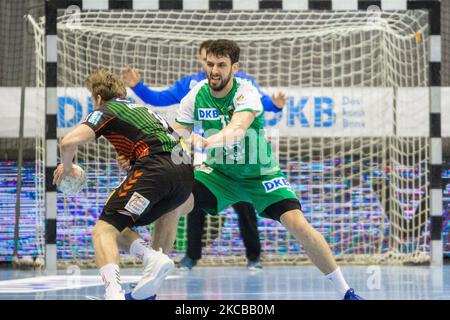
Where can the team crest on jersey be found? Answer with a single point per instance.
(192, 83)
(275, 184)
(95, 117)
(137, 204)
(208, 114)
(231, 110)
(240, 98)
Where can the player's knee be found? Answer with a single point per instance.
(186, 207)
(294, 221)
(94, 232)
(101, 228)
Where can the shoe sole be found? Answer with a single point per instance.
(254, 269)
(150, 287)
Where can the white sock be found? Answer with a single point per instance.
(339, 282)
(140, 249)
(111, 278)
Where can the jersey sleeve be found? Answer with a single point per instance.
(266, 100)
(185, 114)
(247, 98)
(99, 121)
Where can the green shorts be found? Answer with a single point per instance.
(262, 193)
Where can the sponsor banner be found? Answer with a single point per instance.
(413, 112)
(310, 112)
(335, 112)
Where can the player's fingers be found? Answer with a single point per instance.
(58, 181)
(56, 173)
(55, 178)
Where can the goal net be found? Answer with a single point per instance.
(31, 238)
(352, 140)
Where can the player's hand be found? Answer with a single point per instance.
(61, 172)
(123, 162)
(198, 141)
(130, 76)
(279, 100)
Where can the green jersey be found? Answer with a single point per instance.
(251, 158)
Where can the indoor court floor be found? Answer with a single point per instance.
(239, 283)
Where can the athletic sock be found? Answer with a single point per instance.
(140, 249)
(339, 282)
(111, 279)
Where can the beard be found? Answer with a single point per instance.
(217, 85)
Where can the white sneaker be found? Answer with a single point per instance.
(116, 296)
(157, 267)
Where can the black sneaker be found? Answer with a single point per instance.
(254, 264)
(186, 263)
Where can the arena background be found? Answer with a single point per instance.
(11, 63)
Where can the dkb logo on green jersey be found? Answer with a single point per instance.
(208, 114)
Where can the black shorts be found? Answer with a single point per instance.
(154, 186)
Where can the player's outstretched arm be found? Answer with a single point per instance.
(79, 136)
(164, 98)
(274, 103)
(182, 130)
(234, 132)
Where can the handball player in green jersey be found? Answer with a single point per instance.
(240, 165)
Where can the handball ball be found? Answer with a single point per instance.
(71, 185)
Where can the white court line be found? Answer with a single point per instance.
(55, 283)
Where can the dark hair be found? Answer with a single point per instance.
(106, 84)
(225, 48)
(205, 45)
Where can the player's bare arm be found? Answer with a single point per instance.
(182, 130)
(123, 162)
(234, 132)
(79, 136)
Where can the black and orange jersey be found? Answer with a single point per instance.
(134, 130)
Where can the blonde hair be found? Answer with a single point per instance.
(106, 84)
